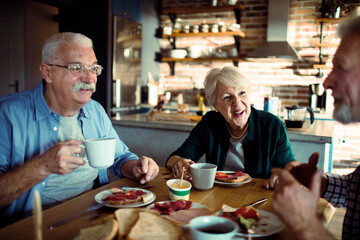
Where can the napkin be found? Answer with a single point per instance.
(325, 211)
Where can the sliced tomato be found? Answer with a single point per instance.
(239, 173)
(131, 197)
(129, 193)
(139, 193)
(231, 177)
(248, 212)
(221, 175)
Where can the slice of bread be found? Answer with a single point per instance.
(106, 231)
(238, 179)
(125, 202)
(126, 218)
(150, 226)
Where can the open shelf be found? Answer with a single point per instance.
(208, 59)
(322, 66)
(205, 34)
(205, 9)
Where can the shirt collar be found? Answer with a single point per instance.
(42, 110)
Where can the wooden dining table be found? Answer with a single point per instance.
(212, 199)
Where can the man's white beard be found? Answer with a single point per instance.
(345, 114)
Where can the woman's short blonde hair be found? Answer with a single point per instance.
(229, 76)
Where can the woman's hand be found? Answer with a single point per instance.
(178, 164)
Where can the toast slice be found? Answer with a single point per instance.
(233, 179)
(106, 231)
(126, 218)
(151, 226)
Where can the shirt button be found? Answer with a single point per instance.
(54, 128)
(43, 183)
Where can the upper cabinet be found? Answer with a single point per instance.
(130, 9)
(182, 26)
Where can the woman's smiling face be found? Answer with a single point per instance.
(233, 103)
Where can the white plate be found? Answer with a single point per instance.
(193, 205)
(101, 195)
(269, 224)
(232, 184)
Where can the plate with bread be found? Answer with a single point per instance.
(125, 197)
(134, 224)
(231, 178)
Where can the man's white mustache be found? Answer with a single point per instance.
(84, 86)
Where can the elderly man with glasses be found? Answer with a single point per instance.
(43, 129)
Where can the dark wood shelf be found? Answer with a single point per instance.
(328, 20)
(330, 45)
(207, 59)
(321, 66)
(206, 9)
(205, 34)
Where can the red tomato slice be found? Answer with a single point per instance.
(248, 212)
(129, 193)
(239, 173)
(221, 175)
(231, 177)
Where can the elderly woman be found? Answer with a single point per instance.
(235, 136)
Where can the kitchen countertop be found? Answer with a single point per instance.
(321, 131)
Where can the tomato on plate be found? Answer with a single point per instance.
(247, 212)
(239, 174)
(221, 175)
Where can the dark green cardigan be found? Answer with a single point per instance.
(266, 145)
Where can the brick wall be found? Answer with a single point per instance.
(303, 33)
(285, 79)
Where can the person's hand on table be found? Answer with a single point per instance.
(296, 205)
(270, 183)
(181, 164)
(145, 169)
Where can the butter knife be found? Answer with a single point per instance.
(256, 202)
(78, 214)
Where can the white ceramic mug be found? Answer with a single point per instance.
(203, 175)
(100, 152)
(212, 228)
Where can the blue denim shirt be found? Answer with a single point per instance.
(29, 128)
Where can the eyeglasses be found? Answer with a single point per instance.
(78, 69)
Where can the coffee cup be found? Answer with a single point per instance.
(203, 175)
(100, 152)
(212, 228)
(177, 192)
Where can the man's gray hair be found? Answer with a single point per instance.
(229, 76)
(349, 25)
(53, 43)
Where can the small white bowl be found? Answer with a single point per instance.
(177, 53)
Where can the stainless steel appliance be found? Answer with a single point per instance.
(126, 64)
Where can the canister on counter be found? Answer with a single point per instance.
(266, 104)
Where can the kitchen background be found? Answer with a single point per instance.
(286, 79)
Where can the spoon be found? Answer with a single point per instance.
(182, 176)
